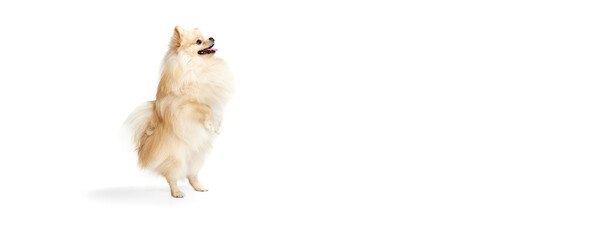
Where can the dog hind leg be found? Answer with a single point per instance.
(171, 169)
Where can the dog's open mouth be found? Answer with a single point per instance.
(208, 50)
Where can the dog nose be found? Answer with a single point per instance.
(211, 39)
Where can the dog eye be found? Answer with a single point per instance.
(199, 41)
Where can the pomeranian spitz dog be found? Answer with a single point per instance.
(174, 133)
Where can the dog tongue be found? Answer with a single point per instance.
(213, 49)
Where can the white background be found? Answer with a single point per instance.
(362, 120)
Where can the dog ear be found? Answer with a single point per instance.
(177, 38)
(179, 30)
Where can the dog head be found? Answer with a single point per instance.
(192, 42)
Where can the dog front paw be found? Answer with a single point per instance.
(209, 125)
(212, 126)
(217, 125)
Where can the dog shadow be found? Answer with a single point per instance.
(136, 195)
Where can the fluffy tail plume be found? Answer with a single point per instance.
(138, 123)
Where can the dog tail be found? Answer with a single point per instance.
(139, 123)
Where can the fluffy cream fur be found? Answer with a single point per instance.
(174, 133)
